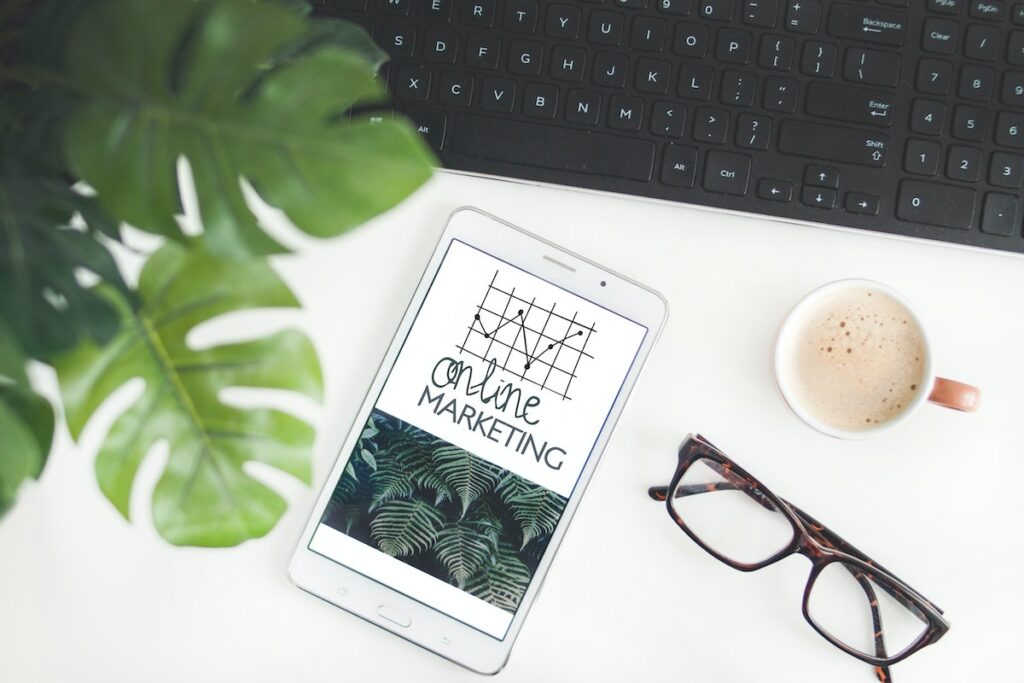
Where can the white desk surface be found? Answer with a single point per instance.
(86, 597)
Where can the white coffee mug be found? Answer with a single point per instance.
(944, 392)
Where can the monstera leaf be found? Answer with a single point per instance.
(241, 90)
(468, 476)
(26, 423)
(204, 495)
(502, 581)
(405, 527)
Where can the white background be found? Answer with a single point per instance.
(88, 597)
(571, 425)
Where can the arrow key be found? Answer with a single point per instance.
(775, 190)
(821, 176)
(861, 202)
(818, 197)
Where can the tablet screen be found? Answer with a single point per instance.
(477, 439)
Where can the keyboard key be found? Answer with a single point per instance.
(605, 28)
(399, 41)
(648, 34)
(439, 45)
(547, 146)
(719, 10)
(944, 6)
(540, 100)
(1013, 88)
(921, 157)
(821, 176)
(567, 63)
(1010, 130)
(438, 10)
(776, 53)
(868, 24)
(964, 163)
(982, 42)
(478, 13)
(934, 77)
(626, 113)
(483, 51)
(668, 119)
(413, 83)
(1006, 170)
(678, 166)
(753, 132)
(456, 89)
(711, 125)
(726, 173)
(761, 12)
(733, 47)
(818, 197)
(845, 103)
(862, 203)
(395, 7)
(939, 36)
(634, 4)
(945, 206)
(1017, 15)
(430, 123)
(977, 82)
(583, 106)
(780, 94)
(1015, 49)
(653, 76)
(521, 15)
(832, 143)
(498, 94)
(970, 123)
(819, 59)
(610, 69)
(803, 16)
(690, 40)
(993, 10)
(873, 67)
(738, 88)
(775, 190)
(695, 82)
(928, 117)
(679, 7)
(563, 22)
(1001, 215)
(525, 57)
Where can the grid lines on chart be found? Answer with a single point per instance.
(533, 342)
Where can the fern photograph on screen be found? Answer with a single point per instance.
(444, 511)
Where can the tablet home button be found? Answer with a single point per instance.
(393, 615)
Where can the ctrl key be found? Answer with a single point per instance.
(727, 173)
(946, 206)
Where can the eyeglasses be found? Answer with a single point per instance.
(848, 596)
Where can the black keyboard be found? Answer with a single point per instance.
(898, 116)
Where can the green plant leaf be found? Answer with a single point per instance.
(204, 496)
(467, 546)
(388, 483)
(405, 527)
(26, 423)
(44, 302)
(502, 581)
(536, 508)
(469, 476)
(241, 89)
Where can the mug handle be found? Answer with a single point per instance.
(955, 395)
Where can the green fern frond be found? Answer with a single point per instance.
(465, 547)
(405, 527)
(536, 508)
(469, 476)
(502, 582)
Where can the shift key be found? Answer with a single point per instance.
(833, 143)
(845, 103)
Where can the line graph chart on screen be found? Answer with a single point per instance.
(528, 338)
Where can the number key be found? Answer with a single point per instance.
(976, 82)
(928, 117)
(1010, 130)
(1013, 88)
(720, 10)
(1007, 170)
(970, 123)
(922, 157)
(964, 163)
(934, 76)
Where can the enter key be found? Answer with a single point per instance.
(857, 105)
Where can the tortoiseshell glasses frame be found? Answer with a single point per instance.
(812, 540)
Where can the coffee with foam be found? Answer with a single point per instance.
(856, 359)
